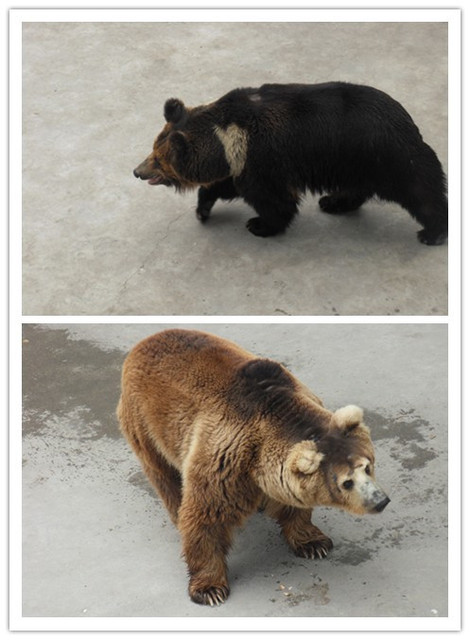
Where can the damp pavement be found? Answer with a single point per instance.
(97, 541)
(96, 241)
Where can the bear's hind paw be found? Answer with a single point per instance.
(431, 238)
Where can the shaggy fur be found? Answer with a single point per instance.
(221, 433)
(270, 145)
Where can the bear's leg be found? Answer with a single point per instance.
(167, 481)
(422, 191)
(342, 202)
(205, 546)
(275, 212)
(164, 477)
(207, 196)
(305, 539)
(434, 232)
(432, 215)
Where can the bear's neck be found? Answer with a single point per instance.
(278, 481)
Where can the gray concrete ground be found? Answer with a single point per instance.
(97, 542)
(97, 241)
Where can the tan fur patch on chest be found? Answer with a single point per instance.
(235, 143)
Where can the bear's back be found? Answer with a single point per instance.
(323, 112)
(177, 377)
(195, 362)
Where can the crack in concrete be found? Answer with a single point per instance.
(149, 255)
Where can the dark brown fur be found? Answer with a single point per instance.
(221, 433)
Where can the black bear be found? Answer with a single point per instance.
(272, 144)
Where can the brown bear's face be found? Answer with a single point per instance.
(187, 152)
(352, 486)
(338, 469)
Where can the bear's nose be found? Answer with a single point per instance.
(136, 173)
(381, 506)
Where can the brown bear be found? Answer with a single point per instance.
(222, 433)
(271, 144)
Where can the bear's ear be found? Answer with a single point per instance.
(175, 111)
(304, 457)
(348, 418)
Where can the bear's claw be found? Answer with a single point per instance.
(213, 596)
(314, 548)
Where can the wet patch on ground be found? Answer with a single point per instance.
(404, 426)
(352, 553)
(69, 378)
(412, 437)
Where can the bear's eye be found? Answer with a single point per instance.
(348, 484)
(367, 470)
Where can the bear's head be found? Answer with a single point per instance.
(187, 152)
(337, 469)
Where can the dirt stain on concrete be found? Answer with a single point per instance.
(317, 594)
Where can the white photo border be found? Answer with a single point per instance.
(450, 623)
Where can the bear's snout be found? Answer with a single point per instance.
(147, 169)
(372, 497)
(381, 506)
(151, 171)
(142, 171)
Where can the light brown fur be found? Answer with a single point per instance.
(221, 433)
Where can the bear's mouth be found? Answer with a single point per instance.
(157, 180)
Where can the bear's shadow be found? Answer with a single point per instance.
(374, 227)
(259, 549)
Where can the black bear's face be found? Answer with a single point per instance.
(160, 167)
(187, 152)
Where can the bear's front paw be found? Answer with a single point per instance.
(203, 212)
(212, 596)
(317, 548)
